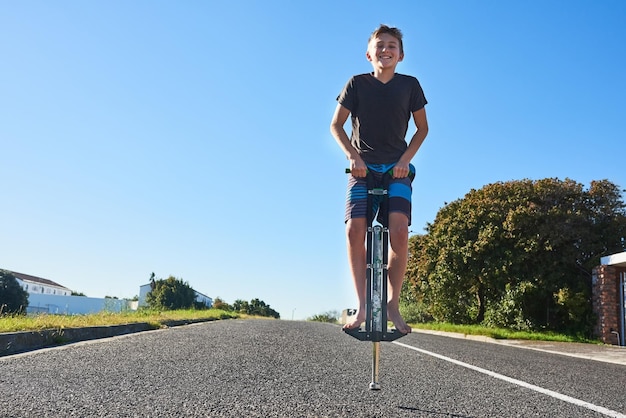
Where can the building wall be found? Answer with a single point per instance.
(606, 302)
(143, 292)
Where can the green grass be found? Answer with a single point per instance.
(501, 333)
(15, 323)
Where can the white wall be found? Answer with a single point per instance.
(72, 305)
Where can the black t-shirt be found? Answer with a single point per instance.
(380, 114)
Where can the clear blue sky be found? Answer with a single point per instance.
(192, 138)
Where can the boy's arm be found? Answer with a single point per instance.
(357, 166)
(401, 169)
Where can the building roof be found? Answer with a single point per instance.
(618, 259)
(38, 280)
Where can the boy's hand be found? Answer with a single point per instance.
(400, 170)
(358, 168)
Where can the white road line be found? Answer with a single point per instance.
(560, 396)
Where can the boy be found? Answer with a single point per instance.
(380, 105)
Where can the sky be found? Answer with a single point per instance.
(191, 139)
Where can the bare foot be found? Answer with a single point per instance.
(355, 321)
(394, 316)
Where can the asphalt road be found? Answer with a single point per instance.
(268, 368)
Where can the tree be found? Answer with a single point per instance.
(13, 299)
(518, 254)
(260, 308)
(255, 307)
(171, 294)
(218, 303)
(241, 306)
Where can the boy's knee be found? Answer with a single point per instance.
(356, 229)
(398, 223)
(399, 238)
(398, 229)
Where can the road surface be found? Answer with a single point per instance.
(272, 368)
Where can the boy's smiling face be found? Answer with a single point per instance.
(384, 52)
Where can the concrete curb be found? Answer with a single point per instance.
(20, 342)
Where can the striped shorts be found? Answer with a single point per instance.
(399, 193)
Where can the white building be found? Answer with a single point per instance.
(37, 285)
(46, 296)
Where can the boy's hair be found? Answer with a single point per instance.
(395, 32)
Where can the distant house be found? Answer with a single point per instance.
(46, 296)
(37, 285)
(143, 292)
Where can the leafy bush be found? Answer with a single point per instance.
(518, 254)
(330, 317)
(170, 294)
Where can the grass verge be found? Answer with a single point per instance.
(16, 323)
(501, 333)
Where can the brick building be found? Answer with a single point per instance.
(609, 294)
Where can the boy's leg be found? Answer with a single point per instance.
(400, 191)
(398, 258)
(356, 229)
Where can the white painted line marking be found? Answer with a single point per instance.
(560, 396)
